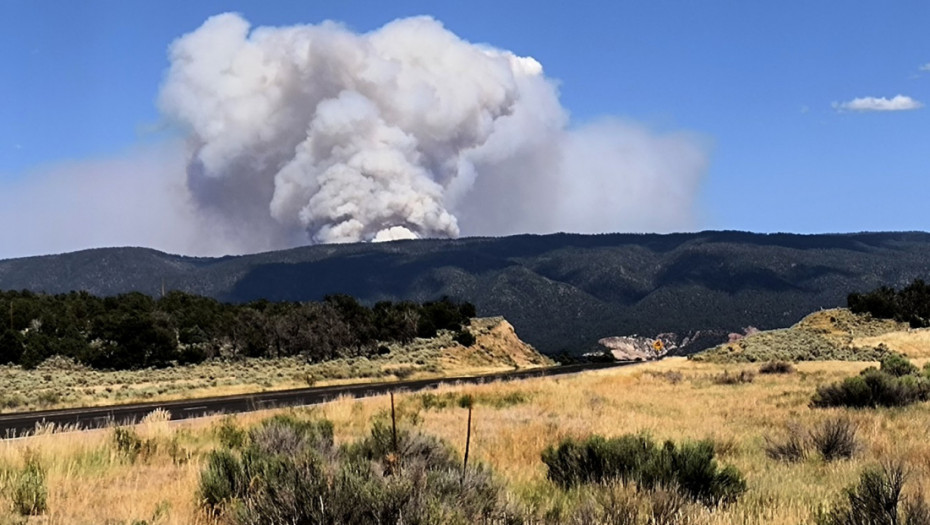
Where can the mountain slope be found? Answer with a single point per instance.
(561, 292)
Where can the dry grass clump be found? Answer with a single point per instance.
(726, 378)
(835, 438)
(792, 448)
(776, 367)
(672, 376)
(878, 498)
(832, 439)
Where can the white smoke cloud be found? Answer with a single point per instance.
(315, 133)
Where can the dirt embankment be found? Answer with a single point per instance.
(496, 346)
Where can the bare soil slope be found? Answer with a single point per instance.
(496, 347)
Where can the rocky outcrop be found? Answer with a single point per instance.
(636, 348)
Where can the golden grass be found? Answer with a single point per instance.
(911, 343)
(90, 483)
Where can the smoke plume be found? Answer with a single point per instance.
(318, 134)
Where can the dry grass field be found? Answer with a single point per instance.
(90, 481)
(915, 343)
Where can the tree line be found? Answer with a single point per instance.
(134, 330)
(909, 305)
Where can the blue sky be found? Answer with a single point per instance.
(762, 83)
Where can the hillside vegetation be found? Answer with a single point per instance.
(61, 382)
(909, 305)
(133, 330)
(562, 292)
(836, 334)
(876, 324)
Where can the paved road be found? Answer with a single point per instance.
(16, 424)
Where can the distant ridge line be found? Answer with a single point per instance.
(562, 292)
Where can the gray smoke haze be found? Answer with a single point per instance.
(317, 134)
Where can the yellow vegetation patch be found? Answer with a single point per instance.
(911, 343)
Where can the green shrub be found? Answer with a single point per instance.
(222, 479)
(596, 459)
(690, 467)
(12, 401)
(431, 401)
(285, 434)
(178, 454)
(403, 372)
(503, 400)
(283, 488)
(289, 472)
(897, 365)
(229, 434)
(873, 388)
(428, 452)
(851, 392)
(29, 493)
(131, 446)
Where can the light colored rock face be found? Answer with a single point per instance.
(635, 348)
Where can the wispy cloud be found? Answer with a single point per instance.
(898, 103)
(925, 67)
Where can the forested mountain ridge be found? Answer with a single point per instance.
(562, 292)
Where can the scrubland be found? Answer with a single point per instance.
(61, 382)
(91, 478)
